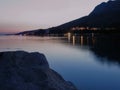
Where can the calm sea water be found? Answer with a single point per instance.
(91, 62)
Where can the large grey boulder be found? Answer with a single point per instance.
(21, 70)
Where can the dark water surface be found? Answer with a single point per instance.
(91, 62)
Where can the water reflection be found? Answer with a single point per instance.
(75, 63)
(81, 40)
(73, 40)
(107, 47)
(104, 46)
(69, 37)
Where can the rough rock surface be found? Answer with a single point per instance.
(21, 70)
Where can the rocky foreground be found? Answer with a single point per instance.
(21, 70)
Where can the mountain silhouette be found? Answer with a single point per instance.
(105, 15)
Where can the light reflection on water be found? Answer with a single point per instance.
(89, 61)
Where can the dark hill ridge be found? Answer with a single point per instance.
(109, 7)
(105, 15)
(34, 32)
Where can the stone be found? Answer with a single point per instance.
(20, 70)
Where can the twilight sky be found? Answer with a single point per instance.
(21, 15)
